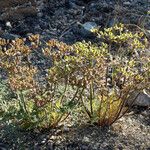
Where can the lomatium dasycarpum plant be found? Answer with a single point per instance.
(34, 107)
(121, 41)
(98, 77)
(104, 81)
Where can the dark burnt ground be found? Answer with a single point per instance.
(132, 132)
(62, 19)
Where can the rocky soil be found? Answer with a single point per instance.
(64, 19)
(132, 132)
(67, 21)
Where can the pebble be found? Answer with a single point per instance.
(89, 26)
(86, 29)
(8, 24)
(127, 3)
(86, 139)
(66, 129)
(53, 137)
(44, 140)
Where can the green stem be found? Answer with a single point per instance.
(91, 98)
(86, 109)
(22, 102)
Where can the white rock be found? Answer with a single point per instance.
(8, 24)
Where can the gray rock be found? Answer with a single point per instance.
(127, 3)
(143, 99)
(8, 24)
(3, 146)
(86, 29)
(9, 36)
(112, 22)
(89, 26)
(86, 139)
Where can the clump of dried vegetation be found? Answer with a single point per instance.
(99, 78)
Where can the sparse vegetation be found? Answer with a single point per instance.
(98, 77)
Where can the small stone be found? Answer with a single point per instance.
(145, 113)
(96, 146)
(89, 26)
(52, 137)
(66, 129)
(127, 3)
(112, 22)
(86, 139)
(40, 14)
(141, 127)
(8, 24)
(86, 29)
(43, 141)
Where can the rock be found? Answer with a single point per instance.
(86, 139)
(112, 22)
(8, 24)
(9, 36)
(143, 99)
(89, 26)
(43, 141)
(3, 147)
(86, 29)
(66, 129)
(127, 3)
(53, 137)
(40, 14)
